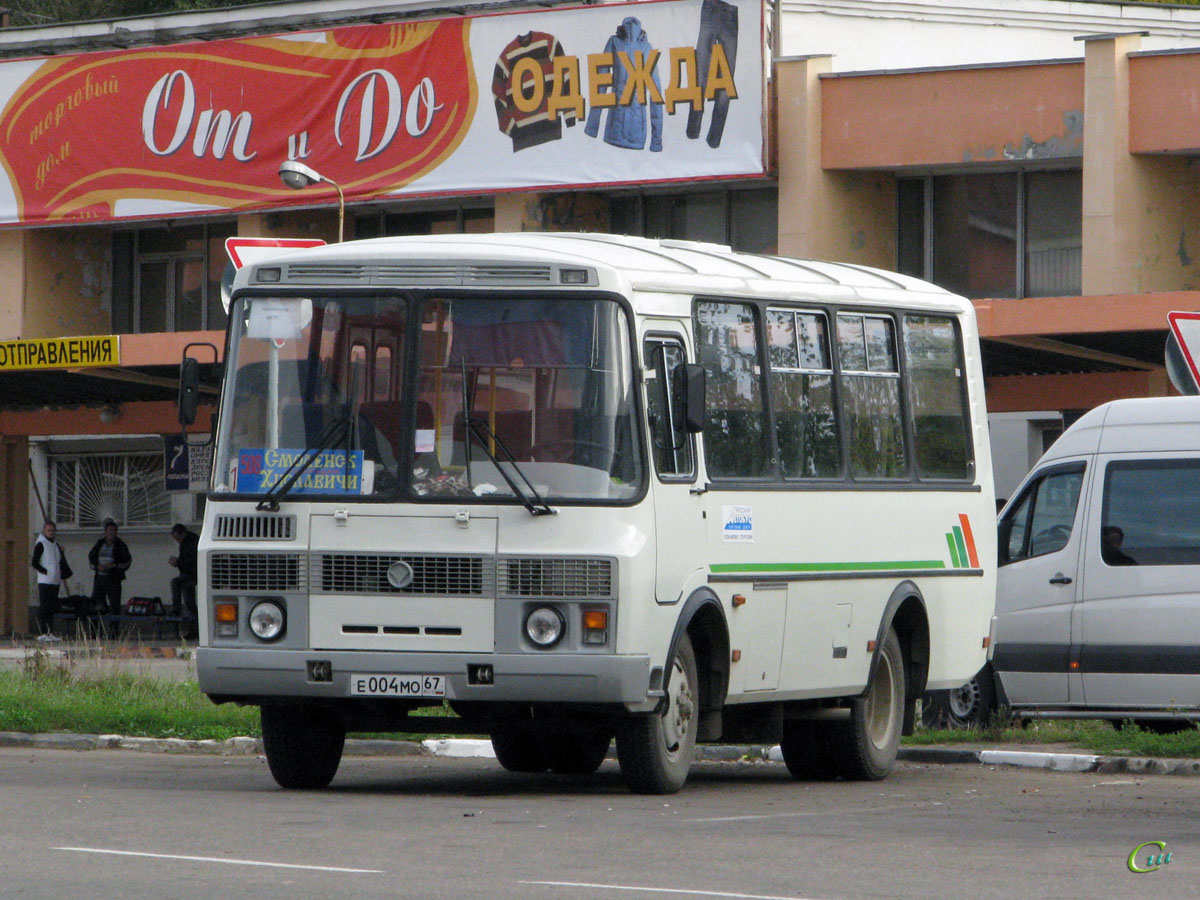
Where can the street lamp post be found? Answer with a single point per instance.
(298, 176)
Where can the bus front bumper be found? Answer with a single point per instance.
(254, 675)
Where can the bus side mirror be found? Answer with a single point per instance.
(189, 390)
(689, 388)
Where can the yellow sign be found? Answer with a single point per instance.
(60, 353)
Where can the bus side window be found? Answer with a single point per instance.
(671, 446)
(734, 434)
(806, 427)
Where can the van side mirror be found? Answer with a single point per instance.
(688, 388)
(189, 390)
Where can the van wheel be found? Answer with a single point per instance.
(808, 751)
(518, 747)
(970, 705)
(868, 743)
(656, 750)
(303, 745)
(575, 752)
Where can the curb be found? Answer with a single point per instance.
(463, 748)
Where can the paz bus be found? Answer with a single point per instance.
(571, 488)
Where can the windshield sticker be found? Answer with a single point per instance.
(737, 524)
(425, 440)
(332, 472)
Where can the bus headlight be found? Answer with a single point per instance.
(545, 626)
(267, 620)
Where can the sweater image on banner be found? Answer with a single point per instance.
(626, 125)
(528, 129)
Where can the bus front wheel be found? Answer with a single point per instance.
(303, 745)
(655, 751)
(870, 739)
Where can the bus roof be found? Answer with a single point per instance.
(642, 263)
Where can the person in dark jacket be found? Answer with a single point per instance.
(50, 562)
(183, 585)
(110, 560)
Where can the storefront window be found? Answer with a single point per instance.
(169, 279)
(746, 220)
(446, 220)
(1013, 234)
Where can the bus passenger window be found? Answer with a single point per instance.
(937, 397)
(734, 436)
(870, 386)
(806, 429)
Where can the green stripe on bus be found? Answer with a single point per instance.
(955, 560)
(962, 546)
(725, 568)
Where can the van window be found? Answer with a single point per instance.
(1041, 519)
(1151, 514)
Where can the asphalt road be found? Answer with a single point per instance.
(113, 825)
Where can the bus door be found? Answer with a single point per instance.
(678, 506)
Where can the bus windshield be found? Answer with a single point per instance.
(515, 399)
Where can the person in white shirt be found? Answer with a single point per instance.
(52, 568)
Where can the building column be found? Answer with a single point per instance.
(845, 216)
(16, 543)
(1110, 198)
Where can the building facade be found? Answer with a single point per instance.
(1037, 156)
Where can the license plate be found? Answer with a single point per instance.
(398, 685)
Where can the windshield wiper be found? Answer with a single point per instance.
(337, 430)
(482, 432)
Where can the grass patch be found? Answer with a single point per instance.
(94, 696)
(1078, 735)
(48, 698)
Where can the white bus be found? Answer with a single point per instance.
(584, 487)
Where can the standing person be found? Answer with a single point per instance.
(52, 568)
(183, 585)
(110, 558)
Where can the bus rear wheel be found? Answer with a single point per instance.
(656, 750)
(518, 747)
(808, 750)
(575, 752)
(869, 741)
(303, 745)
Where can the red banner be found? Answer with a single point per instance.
(134, 132)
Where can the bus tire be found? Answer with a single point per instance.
(575, 752)
(870, 740)
(808, 750)
(656, 750)
(303, 745)
(518, 747)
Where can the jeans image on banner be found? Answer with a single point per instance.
(718, 25)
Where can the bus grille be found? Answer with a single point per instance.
(439, 576)
(255, 528)
(274, 572)
(549, 577)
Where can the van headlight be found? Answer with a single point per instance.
(267, 620)
(545, 626)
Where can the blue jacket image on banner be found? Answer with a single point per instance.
(626, 125)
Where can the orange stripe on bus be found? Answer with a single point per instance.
(970, 539)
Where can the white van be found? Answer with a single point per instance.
(1098, 587)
